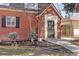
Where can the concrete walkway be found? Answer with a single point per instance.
(65, 44)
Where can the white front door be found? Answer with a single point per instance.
(50, 26)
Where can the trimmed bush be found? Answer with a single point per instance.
(12, 35)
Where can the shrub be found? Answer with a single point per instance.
(12, 35)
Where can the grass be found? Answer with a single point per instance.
(15, 51)
(32, 51)
(24, 50)
(48, 50)
(76, 42)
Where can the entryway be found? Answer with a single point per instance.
(50, 26)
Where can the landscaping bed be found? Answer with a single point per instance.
(44, 49)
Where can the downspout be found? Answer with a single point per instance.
(37, 27)
(30, 28)
(29, 22)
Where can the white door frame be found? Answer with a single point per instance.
(50, 17)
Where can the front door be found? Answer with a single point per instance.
(50, 29)
(50, 26)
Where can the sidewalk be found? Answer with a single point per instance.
(65, 44)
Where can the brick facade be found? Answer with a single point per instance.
(23, 30)
(28, 22)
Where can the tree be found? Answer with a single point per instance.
(71, 8)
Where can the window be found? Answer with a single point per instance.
(10, 21)
(31, 6)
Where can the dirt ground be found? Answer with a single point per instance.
(44, 49)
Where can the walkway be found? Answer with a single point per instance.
(65, 44)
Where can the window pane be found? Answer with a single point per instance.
(10, 21)
(8, 18)
(13, 23)
(13, 20)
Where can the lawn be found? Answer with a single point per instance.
(76, 42)
(48, 50)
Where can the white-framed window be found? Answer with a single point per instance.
(10, 21)
(31, 6)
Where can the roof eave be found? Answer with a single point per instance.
(54, 9)
(18, 10)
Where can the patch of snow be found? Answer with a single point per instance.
(67, 38)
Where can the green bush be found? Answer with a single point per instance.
(13, 35)
(33, 34)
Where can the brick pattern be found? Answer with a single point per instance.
(23, 30)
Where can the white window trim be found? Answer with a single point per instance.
(11, 20)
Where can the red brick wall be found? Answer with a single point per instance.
(23, 30)
(50, 10)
